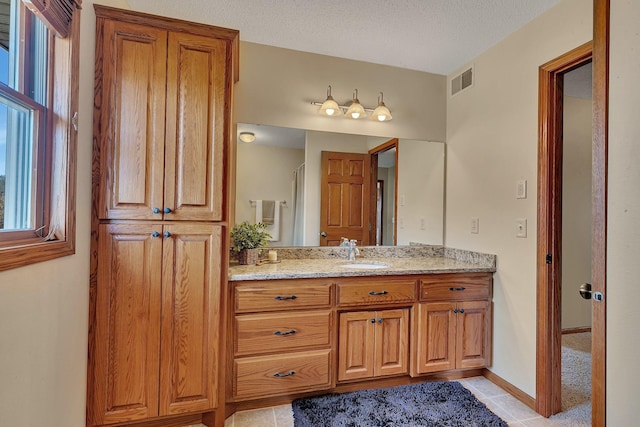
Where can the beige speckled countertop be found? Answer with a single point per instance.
(333, 267)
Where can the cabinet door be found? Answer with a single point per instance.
(127, 320)
(131, 111)
(357, 338)
(436, 337)
(391, 342)
(472, 340)
(195, 134)
(191, 279)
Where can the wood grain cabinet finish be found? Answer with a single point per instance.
(449, 332)
(373, 344)
(161, 159)
(282, 337)
(377, 290)
(163, 97)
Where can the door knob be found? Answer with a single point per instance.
(585, 290)
(323, 234)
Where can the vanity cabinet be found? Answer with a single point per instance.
(453, 323)
(373, 344)
(159, 247)
(282, 337)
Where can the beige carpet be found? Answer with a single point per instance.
(576, 381)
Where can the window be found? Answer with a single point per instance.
(38, 99)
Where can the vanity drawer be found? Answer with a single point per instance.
(456, 287)
(273, 332)
(281, 374)
(376, 291)
(273, 295)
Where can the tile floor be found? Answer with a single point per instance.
(507, 407)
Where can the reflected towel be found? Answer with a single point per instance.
(273, 229)
(268, 211)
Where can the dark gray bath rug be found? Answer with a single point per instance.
(437, 404)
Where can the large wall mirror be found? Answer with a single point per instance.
(404, 194)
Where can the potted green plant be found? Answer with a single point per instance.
(247, 239)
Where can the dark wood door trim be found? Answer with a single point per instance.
(548, 339)
(388, 145)
(601, 26)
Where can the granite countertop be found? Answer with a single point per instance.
(333, 267)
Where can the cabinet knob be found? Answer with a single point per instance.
(288, 374)
(380, 319)
(156, 210)
(373, 320)
(167, 234)
(155, 234)
(462, 310)
(167, 210)
(455, 310)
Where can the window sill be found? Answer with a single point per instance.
(19, 255)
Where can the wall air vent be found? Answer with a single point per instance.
(462, 81)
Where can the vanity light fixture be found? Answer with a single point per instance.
(330, 107)
(247, 136)
(355, 110)
(381, 113)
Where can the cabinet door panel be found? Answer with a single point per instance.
(195, 133)
(357, 338)
(127, 323)
(472, 346)
(191, 280)
(392, 334)
(436, 337)
(133, 101)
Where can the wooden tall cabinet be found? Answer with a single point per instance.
(161, 185)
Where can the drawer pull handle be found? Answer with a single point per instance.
(457, 289)
(280, 298)
(288, 374)
(284, 334)
(378, 293)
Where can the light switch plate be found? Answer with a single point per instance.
(521, 189)
(521, 227)
(475, 225)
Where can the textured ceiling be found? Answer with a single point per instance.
(436, 36)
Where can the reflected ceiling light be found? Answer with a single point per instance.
(247, 136)
(355, 110)
(381, 113)
(330, 107)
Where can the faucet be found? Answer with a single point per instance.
(353, 251)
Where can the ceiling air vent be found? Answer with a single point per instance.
(462, 81)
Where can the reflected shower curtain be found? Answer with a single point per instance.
(298, 205)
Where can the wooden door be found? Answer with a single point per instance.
(472, 338)
(127, 323)
(191, 280)
(391, 342)
(344, 198)
(133, 107)
(357, 339)
(197, 93)
(436, 337)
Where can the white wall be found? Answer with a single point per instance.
(421, 189)
(623, 248)
(491, 144)
(576, 211)
(44, 307)
(277, 86)
(265, 173)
